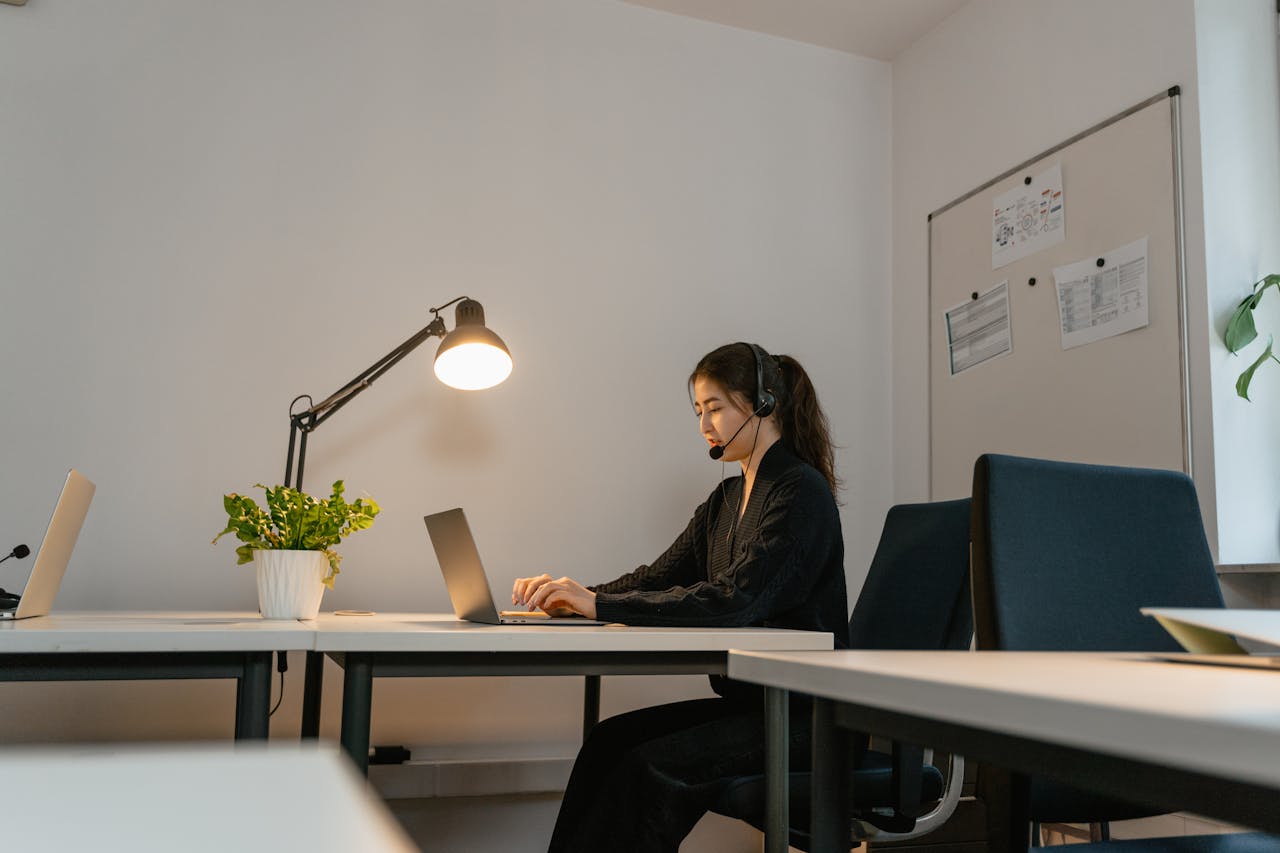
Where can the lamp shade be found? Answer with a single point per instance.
(471, 357)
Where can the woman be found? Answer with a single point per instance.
(763, 550)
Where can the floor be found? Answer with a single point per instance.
(522, 823)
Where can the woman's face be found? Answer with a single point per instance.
(720, 414)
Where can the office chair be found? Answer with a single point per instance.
(1064, 555)
(916, 596)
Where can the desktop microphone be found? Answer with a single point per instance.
(18, 551)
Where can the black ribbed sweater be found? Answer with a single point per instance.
(780, 566)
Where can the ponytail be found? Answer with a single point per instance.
(803, 424)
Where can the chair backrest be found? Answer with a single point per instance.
(1064, 555)
(916, 595)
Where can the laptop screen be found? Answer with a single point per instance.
(55, 549)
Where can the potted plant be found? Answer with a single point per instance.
(1241, 331)
(291, 544)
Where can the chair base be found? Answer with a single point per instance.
(964, 832)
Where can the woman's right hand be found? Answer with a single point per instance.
(524, 590)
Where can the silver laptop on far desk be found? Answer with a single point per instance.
(466, 581)
(55, 549)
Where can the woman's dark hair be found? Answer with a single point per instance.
(800, 418)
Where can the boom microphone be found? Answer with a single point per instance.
(18, 551)
(717, 450)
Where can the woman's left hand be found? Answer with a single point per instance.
(564, 594)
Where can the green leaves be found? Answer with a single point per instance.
(1242, 382)
(1240, 328)
(1241, 331)
(297, 521)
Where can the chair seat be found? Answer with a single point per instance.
(1236, 842)
(1053, 802)
(871, 788)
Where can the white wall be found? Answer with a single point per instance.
(209, 208)
(1003, 80)
(997, 83)
(1240, 137)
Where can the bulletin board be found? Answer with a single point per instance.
(1121, 399)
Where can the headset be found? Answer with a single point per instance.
(764, 401)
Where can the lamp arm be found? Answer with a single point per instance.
(321, 411)
(304, 422)
(447, 304)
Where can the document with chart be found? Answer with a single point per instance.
(1028, 218)
(1100, 297)
(978, 330)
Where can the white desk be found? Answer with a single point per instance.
(193, 799)
(417, 645)
(1176, 735)
(110, 646)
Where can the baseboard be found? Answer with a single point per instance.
(470, 777)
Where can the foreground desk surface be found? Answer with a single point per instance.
(1180, 735)
(192, 799)
(155, 645)
(417, 645)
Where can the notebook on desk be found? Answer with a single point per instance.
(466, 581)
(1211, 635)
(55, 549)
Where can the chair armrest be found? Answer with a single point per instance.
(928, 822)
(906, 787)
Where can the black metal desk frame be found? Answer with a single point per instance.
(361, 668)
(251, 670)
(1240, 802)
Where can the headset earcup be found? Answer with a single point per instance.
(765, 401)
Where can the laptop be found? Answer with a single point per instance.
(465, 579)
(55, 549)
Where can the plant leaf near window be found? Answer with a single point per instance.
(1241, 331)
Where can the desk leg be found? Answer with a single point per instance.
(829, 821)
(777, 770)
(1008, 805)
(1019, 812)
(357, 705)
(253, 697)
(311, 690)
(590, 704)
(239, 708)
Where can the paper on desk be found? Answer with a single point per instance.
(1028, 218)
(979, 329)
(1097, 302)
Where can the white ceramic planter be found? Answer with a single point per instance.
(290, 583)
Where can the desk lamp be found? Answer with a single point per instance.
(471, 358)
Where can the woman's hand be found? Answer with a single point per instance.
(556, 596)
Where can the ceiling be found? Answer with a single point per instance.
(879, 29)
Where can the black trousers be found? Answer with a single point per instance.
(643, 779)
